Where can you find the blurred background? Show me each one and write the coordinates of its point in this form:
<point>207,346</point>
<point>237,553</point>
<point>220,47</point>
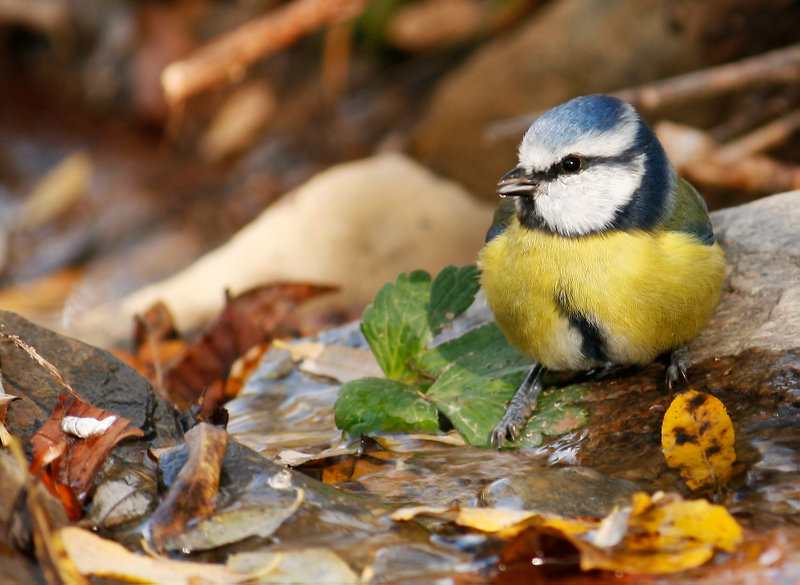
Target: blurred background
<point>137,136</point>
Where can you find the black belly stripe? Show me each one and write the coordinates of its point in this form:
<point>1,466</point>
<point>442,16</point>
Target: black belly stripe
<point>593,346</point>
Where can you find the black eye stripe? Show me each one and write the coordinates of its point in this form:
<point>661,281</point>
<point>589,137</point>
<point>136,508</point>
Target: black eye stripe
<point>556,170</point>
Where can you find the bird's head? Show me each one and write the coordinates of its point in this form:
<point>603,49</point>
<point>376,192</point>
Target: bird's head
<point>588,166</point>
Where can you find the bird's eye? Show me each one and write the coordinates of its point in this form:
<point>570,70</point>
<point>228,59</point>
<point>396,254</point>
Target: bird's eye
<point>571,164</point>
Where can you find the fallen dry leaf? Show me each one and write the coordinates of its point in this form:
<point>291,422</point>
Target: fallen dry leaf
<point>191,497</point>
<point>96,556</point>
<point>665,534</point>
<point>43,516</point>
<point>241,370</point>
<point>5,400</point>
<point>371,457</point>
<point>72,462</point>
<point>340,362</point>
<point>658,535</point>
<point>697,439</point>
<point>251,318</point>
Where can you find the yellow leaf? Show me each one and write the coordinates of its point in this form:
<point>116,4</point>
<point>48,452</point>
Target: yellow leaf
<point>665,534</point>
<point>648,563</point>
<point>697,439</point>
<point>675,520</point>
<point>654,536</point>
<point>492,519</point>
<point>97,556</point>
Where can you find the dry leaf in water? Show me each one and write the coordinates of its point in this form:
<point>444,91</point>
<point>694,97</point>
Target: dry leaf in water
<point>73,462</point>
<point>658,535</point>
<point>697,439</point>
<point>334,469</point>
<point>192,497</point>
<point>99,557</point>
<point>665,534</point>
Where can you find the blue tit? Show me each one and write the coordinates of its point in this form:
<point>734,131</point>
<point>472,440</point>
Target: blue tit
<point>599,253</point>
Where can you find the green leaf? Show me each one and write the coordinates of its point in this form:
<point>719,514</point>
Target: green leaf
<point>474,390</point>
<point>432,363</point>
<point>483,375</point>
<point>452,292</point>
<point>377,405</point>
<point>396,323</point>
<point>554,415</point>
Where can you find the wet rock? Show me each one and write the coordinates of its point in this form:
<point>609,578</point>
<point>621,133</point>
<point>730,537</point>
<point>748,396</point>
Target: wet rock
<point>573,492</point>
<point>100,378</point>
<point>282,509</point>
<point>569,48</point>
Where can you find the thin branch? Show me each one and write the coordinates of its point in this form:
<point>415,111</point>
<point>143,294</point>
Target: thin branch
<point>229,56</point>
<point>781,66</point>
<point>760,140</point>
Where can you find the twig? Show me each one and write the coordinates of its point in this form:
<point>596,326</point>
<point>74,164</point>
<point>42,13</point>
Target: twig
<point>229,56</point>
<point>760,140</point>
<point>781,66</point>
<point>34,355</point>
<point>757,174</point>
<point>736,165</point>
<point>336,60</point>
<point>755,112</point>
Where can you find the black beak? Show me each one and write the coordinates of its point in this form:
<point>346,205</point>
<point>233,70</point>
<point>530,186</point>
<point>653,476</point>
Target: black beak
<point>517,182</point>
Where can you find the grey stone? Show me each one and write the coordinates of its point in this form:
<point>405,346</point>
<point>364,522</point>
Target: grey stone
<point>760,307</point>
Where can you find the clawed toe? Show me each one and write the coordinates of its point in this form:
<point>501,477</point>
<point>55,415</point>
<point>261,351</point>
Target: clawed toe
<point>679,364</point>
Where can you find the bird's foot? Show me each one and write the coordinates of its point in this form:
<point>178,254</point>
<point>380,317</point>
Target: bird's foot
<point>679,362</point>
<point>519,409</point>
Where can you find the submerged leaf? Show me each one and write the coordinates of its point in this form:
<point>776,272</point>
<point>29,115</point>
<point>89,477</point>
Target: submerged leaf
<point>377,405</point>
<point>665,534</point>
<point>235,525</point>
<point>307,566</point>
<point>697,439</point>
<point>658,535</point>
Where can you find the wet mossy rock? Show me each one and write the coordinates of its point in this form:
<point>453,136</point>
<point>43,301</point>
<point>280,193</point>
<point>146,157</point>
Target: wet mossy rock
<point>99,377</point>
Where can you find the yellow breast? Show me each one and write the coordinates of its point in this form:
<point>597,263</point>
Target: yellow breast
<point>647,293</point>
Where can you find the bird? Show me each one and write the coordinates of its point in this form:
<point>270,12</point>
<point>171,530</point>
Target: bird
<point>599,254</point>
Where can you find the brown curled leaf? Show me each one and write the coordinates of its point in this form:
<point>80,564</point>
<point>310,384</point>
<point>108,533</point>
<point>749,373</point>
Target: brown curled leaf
<point>191,497</point>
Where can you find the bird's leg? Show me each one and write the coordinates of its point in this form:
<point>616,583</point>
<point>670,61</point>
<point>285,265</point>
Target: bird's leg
<point>520,407</point>
<point>679,362</point>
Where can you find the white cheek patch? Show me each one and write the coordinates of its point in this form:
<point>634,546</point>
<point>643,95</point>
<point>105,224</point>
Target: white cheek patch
<point>575,205</point>
<point>541,152</point>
